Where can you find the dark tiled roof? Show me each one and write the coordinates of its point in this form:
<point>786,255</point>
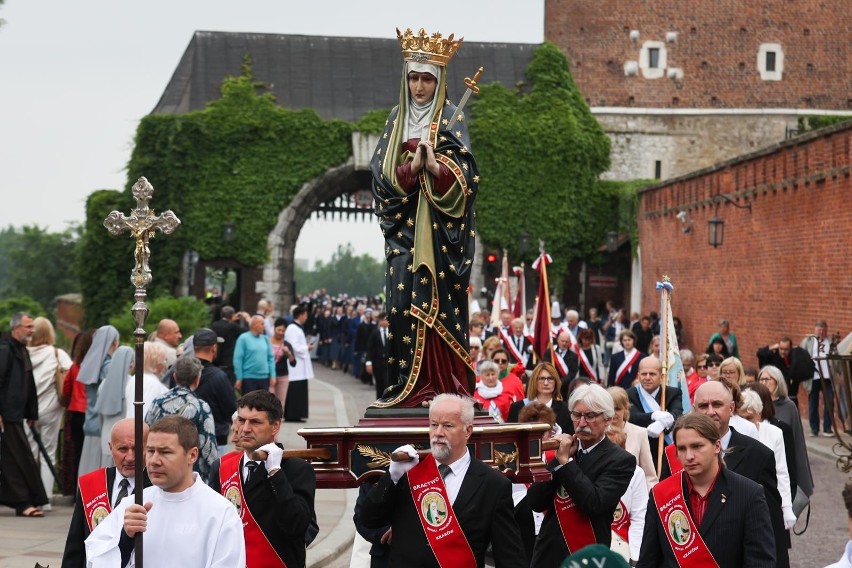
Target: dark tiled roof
<point>339,77</point>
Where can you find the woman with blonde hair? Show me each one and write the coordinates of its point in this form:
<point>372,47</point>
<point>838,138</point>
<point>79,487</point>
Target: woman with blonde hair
<point>152,386</point>
<point>636,437</point>
<point>732,375</point>
<point>49,367</point>
<point>545,387</point>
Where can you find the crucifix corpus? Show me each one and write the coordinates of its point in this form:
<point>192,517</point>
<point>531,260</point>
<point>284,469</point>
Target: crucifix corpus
<point>142,224</point>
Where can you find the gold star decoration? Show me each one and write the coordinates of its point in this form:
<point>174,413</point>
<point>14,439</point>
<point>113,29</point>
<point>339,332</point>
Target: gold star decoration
<point>393,310</point>
<point>387,250</point>
<point>449,225</point>
<point>461,226</point>
<point>406,313</point>
<point>458,133</point>
<point>403,363</point>
<point>443,248</point>
<point>442,138</point>
<point>411,250</point>
<point>472,233</point>
<point>460,117</point>
<point>404,200</point>
<point>424,280</point>
<point>463,150</point>
<point>456,311</point>
<point>390,336</point>
<point>413,294</point>
<point>425,305</point>
<point>379,151</point>
<point>380,163</point>
<point>458,327</point>
<point>408,268</point>
<point>447,102</point>
<point>442,315</point>
<point>391,270</point>
<point>398,216</point>
<point>448,152</point>
<point>406,339</point>
<point>476,179</point>
<point>457,286</point>
<point>435,226</point>
<point>396,251</point>
<point>464,167</point>
<point>399,234</point>
<point>445,122</point>
<point>467,261</point>
<point>452,268</point>
<point>441,275</point>
<point>409,222</point>
<point>391,359</point>
<point>400,286</point>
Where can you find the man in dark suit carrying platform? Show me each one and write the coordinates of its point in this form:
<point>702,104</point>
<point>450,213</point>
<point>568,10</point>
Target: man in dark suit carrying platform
<point>705,515</point>
<point>274,496</point>
<point>590,474</point>
<point>445,509</point>
<point>377,354</point>
<point>101,490</point>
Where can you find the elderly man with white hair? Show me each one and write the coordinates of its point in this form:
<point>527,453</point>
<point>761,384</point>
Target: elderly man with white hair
<point>590,474</point>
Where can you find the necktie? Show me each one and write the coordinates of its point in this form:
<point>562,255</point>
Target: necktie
<point>251,466</point>
<point>445,470</point>
<point>123,487</point>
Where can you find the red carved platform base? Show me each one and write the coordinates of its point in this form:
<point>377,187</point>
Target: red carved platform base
<point>363,451</point>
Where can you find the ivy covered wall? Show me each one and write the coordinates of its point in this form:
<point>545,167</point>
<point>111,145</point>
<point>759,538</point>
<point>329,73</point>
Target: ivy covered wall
<point>243,158</point>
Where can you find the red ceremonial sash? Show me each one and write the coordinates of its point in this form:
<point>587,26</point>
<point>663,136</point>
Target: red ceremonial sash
<point>95,497</point>
<point>621,521</point>
<point>687,545</point>
<point>510,346</point>
<point>625,367</point>
<point>559,363</point>
<point>671,456</point>
<point>442,528</point>
<point>259,551</point>
<point>575,525</point>
<point>584,361</point>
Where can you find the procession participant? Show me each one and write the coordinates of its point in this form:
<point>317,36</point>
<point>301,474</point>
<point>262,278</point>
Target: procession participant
<point>706,515</point>
<point>100,490</point>
<point>214,388</point>
<point>301,370</point>
<point>546,388</point>
<point>745,456</point>
<point>624,364</point>
<point>565,360</point>
<point>628,521</point>
<point>490,394</point>
<point>590,474</point>
<point>636,442</point>
<point>445,509</point>
<point>93,370</point>
<point>274,497</point>
<point>516,344</point>
<point>510,377</point>
<point>425,181</point>
<point>590,357</point>
<point>20,483</point>
<point>185,523</point>
<point>646,402</point>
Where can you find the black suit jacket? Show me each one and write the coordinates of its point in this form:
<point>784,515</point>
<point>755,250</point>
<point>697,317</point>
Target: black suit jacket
<point>595,482</point>
<point>483,507</point>
<point>626,381</point>
<point>571,363</point>
<point>638,416</point>
<point>750,458</point>
<point>377,353</point>
<point>737,532</point>
<point>282,505</point>
<point>75,547</point>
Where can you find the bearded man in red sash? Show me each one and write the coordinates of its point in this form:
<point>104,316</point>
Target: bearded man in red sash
<point>706,516</point>
<point>445,509</point>
<point>100,490</point>
<point>274,496</point>
<point>590,474</point>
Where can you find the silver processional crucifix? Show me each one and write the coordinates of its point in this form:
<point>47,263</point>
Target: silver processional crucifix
<point>142,224</point>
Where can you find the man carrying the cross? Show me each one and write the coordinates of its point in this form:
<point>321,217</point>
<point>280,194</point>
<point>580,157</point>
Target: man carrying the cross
<point>424,184</point>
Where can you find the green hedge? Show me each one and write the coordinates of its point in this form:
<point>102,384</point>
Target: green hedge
<point>189,313</point>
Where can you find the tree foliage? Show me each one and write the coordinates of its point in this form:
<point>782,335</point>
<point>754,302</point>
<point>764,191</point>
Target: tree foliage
<point>346,273</point>
<point>10,306</point>
<point>540,152</point>
<point>37,263</point>
<point>189,313</point>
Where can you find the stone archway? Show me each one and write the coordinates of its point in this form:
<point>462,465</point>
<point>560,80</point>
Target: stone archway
<point>278,276</point>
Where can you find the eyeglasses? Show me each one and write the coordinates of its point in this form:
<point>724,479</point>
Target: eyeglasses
<point>701,366</point>
<point>712,364</point>
<point>766,380</point>
<point>589,416</point>
<point>498,361</point>
<point>546,378</point>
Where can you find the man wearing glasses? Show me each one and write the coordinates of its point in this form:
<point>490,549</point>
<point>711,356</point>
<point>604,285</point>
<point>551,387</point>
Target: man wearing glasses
<point>590,474</point>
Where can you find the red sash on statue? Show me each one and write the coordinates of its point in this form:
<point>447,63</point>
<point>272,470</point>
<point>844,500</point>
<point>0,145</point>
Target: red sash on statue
<point>575,525</point>
<point>95,497</point>
<point>674,463</point>
<point>621,521</point>
<point>688,546</point>
<point>442,528</point>
<point>625,367</point>
<point>259,551</point>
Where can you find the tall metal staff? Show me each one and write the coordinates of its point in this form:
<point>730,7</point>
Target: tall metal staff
<point>143,225</point>
<point>665,287</point>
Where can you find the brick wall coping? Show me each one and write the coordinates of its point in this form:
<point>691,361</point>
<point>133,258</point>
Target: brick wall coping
<point>718,111</point>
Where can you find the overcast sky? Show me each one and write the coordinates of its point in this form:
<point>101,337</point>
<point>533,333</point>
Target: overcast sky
<point>76,78</point>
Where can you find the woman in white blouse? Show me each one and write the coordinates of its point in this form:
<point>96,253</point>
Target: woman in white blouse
<point>771,437</point>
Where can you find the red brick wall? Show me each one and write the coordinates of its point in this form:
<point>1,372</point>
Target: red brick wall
<point>716,47</point>
<point>782,266</point>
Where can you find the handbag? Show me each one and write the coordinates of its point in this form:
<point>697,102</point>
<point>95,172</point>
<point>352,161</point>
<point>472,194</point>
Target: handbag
<point>800,503</point>
<point>59,378</point>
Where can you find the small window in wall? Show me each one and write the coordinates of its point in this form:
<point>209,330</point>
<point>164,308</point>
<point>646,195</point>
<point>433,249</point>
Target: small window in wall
<point>658,169</point>
<point>770,62</point>
<point>653,59</point>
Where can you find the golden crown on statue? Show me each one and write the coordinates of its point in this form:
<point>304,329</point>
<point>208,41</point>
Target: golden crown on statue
<point>426,48</point>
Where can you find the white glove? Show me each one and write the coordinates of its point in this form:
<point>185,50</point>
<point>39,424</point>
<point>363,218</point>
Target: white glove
<point>655,429</point>
<point>273,459</point>
<point>398,469</point>
<point>665,417</point>
<point>789,517</point>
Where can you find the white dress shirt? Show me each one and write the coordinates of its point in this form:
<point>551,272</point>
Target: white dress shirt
<point>453,481</point>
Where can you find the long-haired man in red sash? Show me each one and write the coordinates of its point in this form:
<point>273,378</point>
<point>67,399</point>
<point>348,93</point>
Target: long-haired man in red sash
<point>100,490</point>
<point>275,496</point>
<point>590,474</point>
<point>706,516</point>
<point>445,509</point>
